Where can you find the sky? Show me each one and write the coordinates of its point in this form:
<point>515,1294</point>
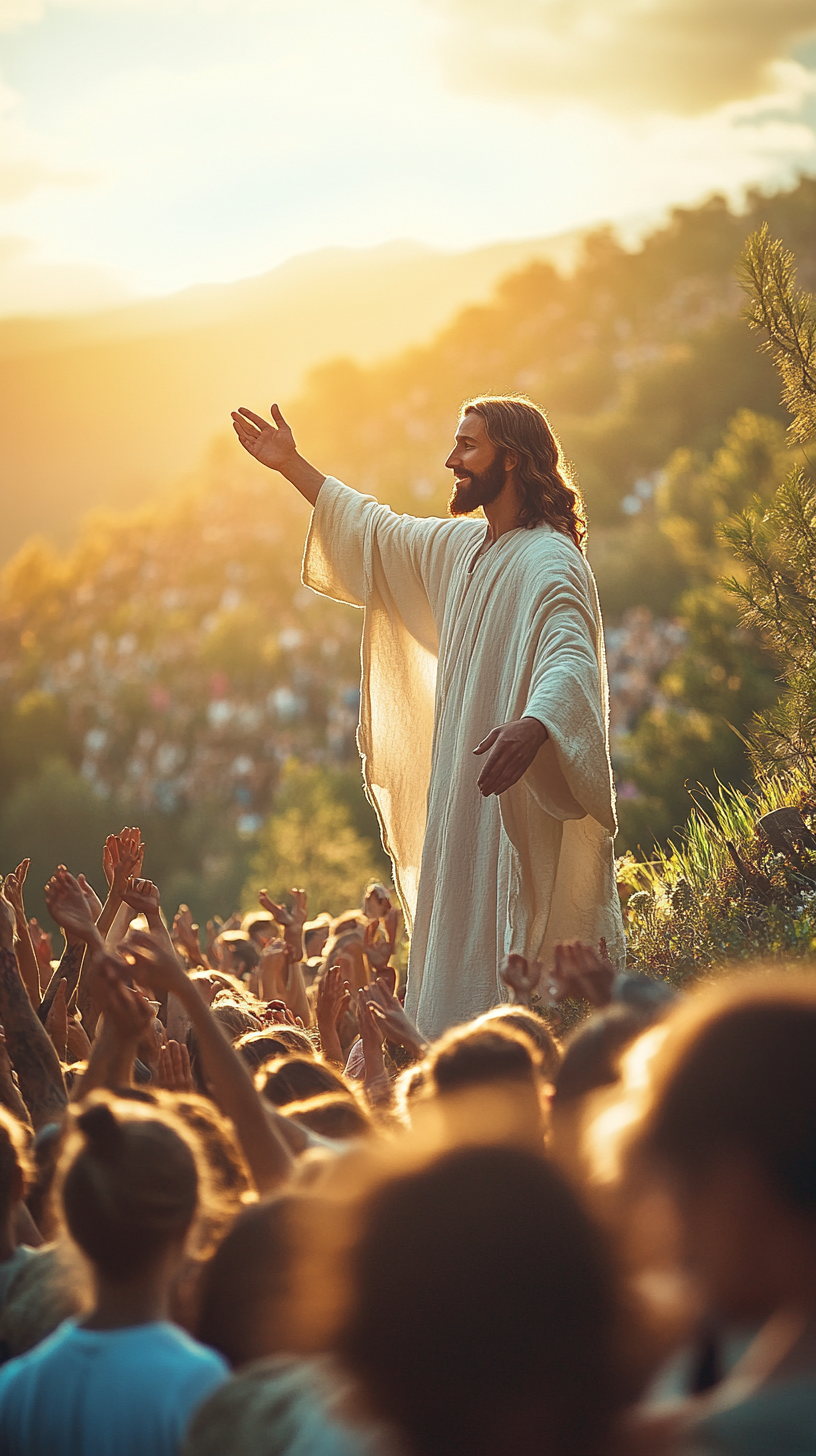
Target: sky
<point>148,145</point>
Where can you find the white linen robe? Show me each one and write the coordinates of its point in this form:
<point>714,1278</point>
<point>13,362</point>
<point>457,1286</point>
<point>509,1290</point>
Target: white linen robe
<point>452,648</point>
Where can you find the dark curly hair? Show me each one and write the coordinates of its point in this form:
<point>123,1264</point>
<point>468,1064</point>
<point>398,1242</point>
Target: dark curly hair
<point>548,494</point>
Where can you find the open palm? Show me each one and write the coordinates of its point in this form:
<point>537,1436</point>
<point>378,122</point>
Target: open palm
<point>272,444</point>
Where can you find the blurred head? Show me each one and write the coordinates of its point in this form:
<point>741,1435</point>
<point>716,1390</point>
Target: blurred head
<point>520,1019</point>
<point>260,927</point>
<point>245,1282</point>
<point>332,1115</point>
<point>295,1078</point>
<point>481,1308</point>
<point>592,1052</point>
<point>129,1184</point>
<point>506,439</point>
<point>259,1047</point>
<point>732,1122</point>
<point>479,1054</point>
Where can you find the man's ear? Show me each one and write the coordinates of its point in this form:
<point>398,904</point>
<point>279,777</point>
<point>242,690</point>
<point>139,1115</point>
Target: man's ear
<point>510,461</point>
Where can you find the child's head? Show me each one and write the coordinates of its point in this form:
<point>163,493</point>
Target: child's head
<point>129,1183</point>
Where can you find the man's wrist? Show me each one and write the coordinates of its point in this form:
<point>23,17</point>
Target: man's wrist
<point>542,730</point>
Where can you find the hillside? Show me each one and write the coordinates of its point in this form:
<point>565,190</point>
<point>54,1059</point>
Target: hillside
<point>168,665</point>
<point>98,409</point>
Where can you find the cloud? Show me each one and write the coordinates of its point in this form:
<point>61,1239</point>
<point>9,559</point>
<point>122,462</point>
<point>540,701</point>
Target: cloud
<point>681,57</point>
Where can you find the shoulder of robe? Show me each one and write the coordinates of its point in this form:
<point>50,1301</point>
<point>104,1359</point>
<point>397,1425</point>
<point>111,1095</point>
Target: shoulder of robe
<point>550,557</point>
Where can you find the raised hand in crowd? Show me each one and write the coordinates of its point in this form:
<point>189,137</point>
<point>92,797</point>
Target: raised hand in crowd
<point>390,1016</point>
<point>267,1156</point>
<point>375,1083</point>
<point>32,1055</point>
<point>26,950</point>
<point>581,973</point>
<point>122,858</point>
<point>174,1073</point>
<point>126,1015</point>
<point>521,977</point>
<point>333,998</point>
<point>292,920</point>
<point>41,941</point>
<point>186,935</point>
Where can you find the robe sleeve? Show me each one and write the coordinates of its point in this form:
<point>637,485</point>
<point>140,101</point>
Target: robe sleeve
<point>357,549</point>
<point>397,568</point>
<point>571,775</point>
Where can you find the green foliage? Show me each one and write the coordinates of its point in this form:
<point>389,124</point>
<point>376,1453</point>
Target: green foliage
<point>691,908</point>
<point>777,597</point>
<point>309,840</point>
<point>722,893</point>
<point>787,315</point>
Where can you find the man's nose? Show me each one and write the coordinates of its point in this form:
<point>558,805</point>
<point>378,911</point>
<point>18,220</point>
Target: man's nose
<point>451,460</point>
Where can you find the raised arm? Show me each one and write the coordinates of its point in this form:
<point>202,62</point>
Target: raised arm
<point>274,445</point>
<point>30,1049</point>
<point>26,956</point>
<point>268,1158</point>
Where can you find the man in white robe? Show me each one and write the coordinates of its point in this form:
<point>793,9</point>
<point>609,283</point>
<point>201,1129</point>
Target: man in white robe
<point>476,641</point>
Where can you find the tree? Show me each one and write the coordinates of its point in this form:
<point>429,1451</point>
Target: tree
<point>309,840</point>
<point>776,543</point>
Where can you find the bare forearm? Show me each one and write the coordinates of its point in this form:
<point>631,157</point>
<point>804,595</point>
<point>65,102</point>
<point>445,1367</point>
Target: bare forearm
<point>295,997</point>
<point>28,963</point>
<point>30,1048</point>
<point>110,1064</point>
<point>68,970</point>
<point>267,1156</point>
<point>305,478</point>
<point>108,913</point>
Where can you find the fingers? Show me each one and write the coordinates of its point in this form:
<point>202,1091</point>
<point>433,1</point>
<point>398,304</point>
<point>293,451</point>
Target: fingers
<point>277,416</point>
<point>502,770</point>
<point>487,742</point>
<point>244,414</point>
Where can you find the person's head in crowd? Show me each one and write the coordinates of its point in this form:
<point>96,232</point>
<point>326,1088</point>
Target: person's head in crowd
<point>409,1087</point>
<point>16,1173</point>
<point>315,934</point>
<point>350,922</point>
<point>295,1040</point>
<point>235,1020</point>
<point>732,1125</point>
<point>475,1055</point>
<point>241,953</point>
<point>482,1309</point>
<point>376,900</point>
<point>129,1185</point>
<point>592,1052</point>
<point>260,927</point>
<point>521,1019</point>
<point>241,1312</point>
<point>474,1066</point>
<point>259,1047</point>
<point>294,1078</point>
<point>333,1114</point>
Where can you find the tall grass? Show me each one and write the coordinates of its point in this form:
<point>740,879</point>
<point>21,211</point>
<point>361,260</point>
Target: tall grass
<point>692,908</point>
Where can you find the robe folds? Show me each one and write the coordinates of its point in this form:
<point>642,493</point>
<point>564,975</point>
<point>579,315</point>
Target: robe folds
<point>455,644</point>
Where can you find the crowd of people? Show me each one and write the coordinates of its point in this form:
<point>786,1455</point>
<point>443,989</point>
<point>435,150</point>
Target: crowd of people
<point>245,1207</point>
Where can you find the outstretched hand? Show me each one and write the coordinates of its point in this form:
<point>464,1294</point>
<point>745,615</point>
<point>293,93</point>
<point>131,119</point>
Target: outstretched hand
<point>273,444</point>
<point>510,750</point>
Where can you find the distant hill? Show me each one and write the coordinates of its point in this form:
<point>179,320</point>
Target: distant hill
<point>97,409</point>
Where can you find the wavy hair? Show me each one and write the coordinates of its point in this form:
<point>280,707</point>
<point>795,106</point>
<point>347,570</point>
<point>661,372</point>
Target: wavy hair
<point>548,494</point>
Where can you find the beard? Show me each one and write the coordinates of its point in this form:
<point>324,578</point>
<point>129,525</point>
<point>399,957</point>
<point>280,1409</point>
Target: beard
<point>478,490</point>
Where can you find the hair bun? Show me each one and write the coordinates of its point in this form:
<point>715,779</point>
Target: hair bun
<point>102,1131</point>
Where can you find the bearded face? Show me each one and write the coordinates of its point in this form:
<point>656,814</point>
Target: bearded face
<point>474,490</point>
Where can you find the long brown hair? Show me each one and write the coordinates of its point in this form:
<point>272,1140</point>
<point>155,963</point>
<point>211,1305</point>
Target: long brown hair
<point>548,494</point>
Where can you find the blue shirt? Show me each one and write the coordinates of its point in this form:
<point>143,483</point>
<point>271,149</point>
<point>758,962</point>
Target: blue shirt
<point>128,1392</point>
